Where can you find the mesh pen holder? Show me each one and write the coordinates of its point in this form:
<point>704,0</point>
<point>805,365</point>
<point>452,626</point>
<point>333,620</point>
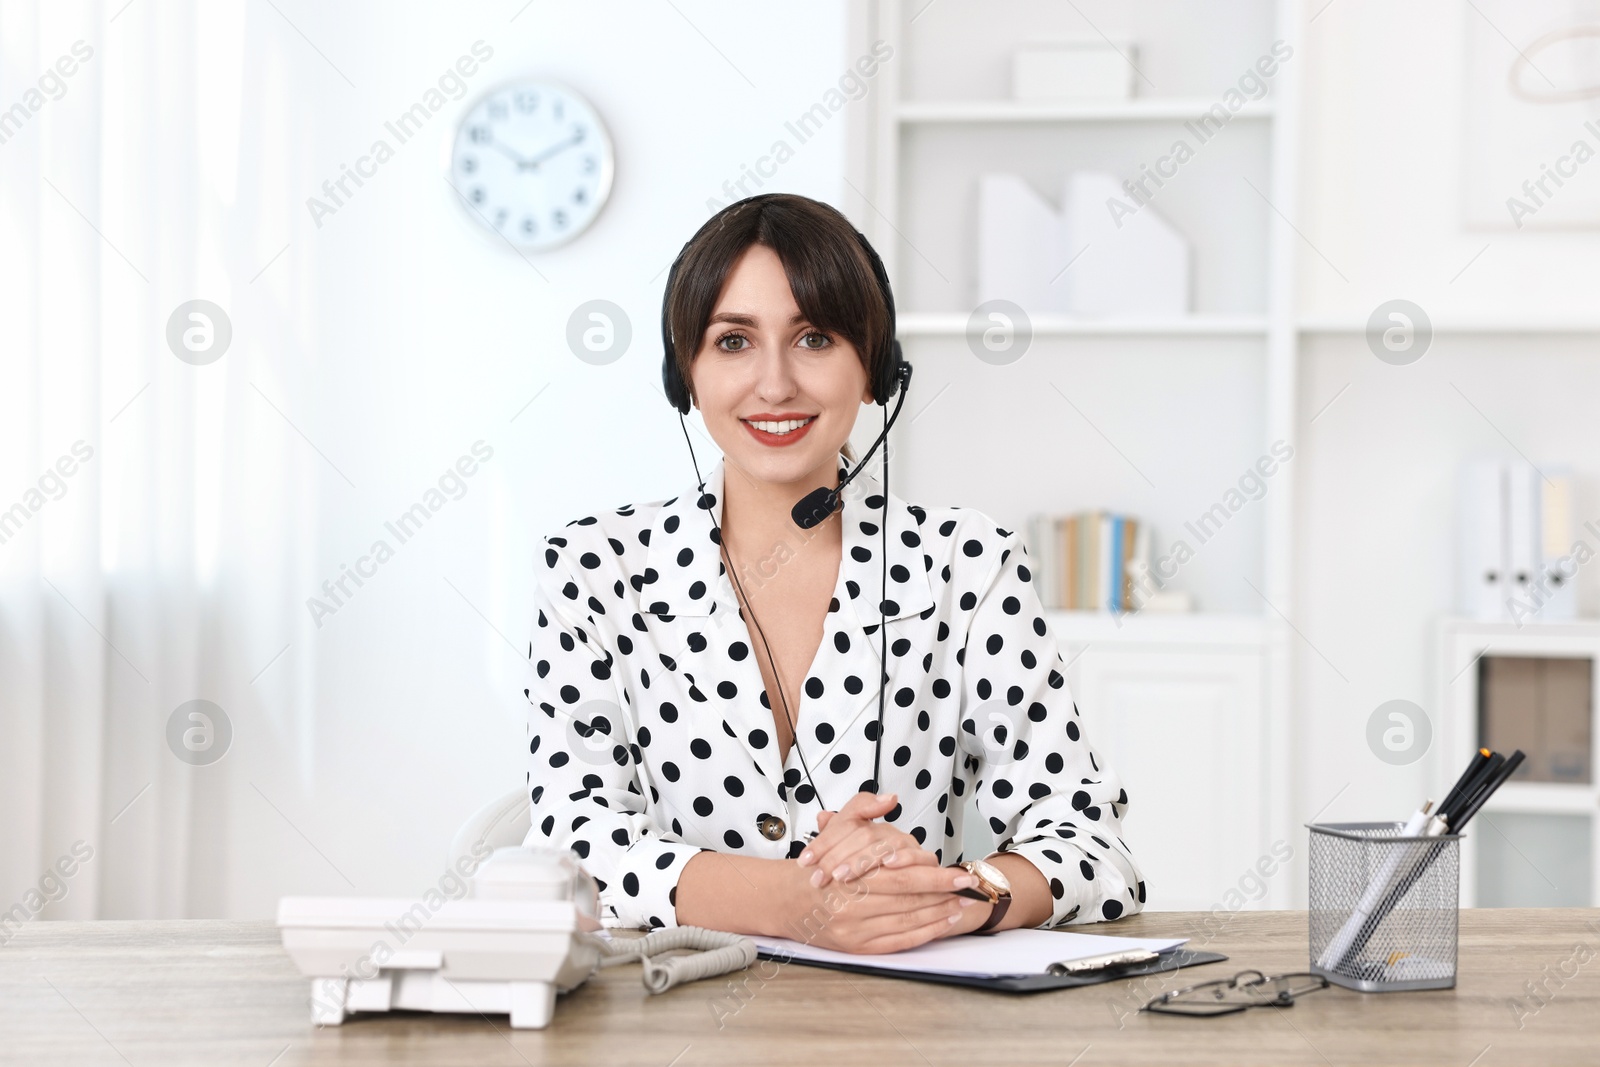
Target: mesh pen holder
<point>1384,908</point>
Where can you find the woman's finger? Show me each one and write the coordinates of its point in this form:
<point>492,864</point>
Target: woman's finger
<point>914,928</point>
<point>918,879</point>
<point>909,856</point>
<point>860,851</point>
<point>885,842</point>
<point>831,825</point>
<point>865,806</point>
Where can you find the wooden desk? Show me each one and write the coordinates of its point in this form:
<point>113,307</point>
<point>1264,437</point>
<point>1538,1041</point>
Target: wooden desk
<point>205,992</point>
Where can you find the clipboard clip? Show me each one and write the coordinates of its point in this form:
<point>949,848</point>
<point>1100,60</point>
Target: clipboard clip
<point>1090,964</point>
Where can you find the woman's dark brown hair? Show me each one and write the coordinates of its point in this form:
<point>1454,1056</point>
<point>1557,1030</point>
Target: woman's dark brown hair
<point>827,267</point>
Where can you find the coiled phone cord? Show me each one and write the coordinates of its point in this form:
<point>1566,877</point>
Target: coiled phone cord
<point>709,953</point>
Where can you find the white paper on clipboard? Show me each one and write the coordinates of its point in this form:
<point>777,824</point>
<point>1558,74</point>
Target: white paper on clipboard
<point>1006,954</point>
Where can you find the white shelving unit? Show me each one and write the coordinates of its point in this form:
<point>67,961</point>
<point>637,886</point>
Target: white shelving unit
<point>1013,111</point>
<point>935,324</point>
<point>1217,680</point>
<point>1461,644</point>
<point>1516,327</point>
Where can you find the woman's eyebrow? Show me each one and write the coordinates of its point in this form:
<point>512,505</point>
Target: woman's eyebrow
<point>738,318</point>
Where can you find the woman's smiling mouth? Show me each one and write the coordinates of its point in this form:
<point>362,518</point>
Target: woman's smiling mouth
<point>780,429</point>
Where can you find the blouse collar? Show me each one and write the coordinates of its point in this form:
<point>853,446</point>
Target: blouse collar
<point>684,574</point>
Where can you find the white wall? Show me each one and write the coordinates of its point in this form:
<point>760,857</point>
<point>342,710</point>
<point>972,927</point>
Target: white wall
<point>429,336</point>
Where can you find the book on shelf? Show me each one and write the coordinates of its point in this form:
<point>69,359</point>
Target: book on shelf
<point>1091,561</point>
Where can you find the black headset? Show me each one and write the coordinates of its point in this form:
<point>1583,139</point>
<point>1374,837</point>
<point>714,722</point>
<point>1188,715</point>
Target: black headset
<point>891,373</point>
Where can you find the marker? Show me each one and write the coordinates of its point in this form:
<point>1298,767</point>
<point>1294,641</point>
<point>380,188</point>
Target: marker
<point>1506,770</point>
<point>1484,772</point>
<point>1473,766</point>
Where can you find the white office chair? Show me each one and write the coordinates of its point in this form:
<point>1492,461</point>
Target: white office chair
<point>500,823</point>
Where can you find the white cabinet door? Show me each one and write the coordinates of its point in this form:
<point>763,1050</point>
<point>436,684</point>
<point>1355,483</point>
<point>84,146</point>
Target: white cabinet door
<point>1185,730</point>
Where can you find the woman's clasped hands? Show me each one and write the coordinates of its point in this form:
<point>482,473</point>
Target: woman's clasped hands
<point>868,887</point>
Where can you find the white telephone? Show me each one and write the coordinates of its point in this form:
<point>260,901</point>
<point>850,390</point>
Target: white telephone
<point>527,929</point>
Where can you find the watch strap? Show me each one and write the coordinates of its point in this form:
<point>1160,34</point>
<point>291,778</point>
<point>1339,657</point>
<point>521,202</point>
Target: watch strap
<point>996,913</point>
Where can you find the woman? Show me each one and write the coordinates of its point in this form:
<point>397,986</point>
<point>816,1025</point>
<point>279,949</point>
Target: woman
<point>714,773</point>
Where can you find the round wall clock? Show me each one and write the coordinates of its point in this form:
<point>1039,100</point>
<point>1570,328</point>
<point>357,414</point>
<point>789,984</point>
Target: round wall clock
<point>533,163</point>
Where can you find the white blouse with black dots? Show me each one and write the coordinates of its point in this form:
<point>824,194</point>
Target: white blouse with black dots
<point>651,736</point>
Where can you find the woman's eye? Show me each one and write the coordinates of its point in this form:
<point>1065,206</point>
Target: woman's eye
<point>722,342</point>
<point>821,337</point>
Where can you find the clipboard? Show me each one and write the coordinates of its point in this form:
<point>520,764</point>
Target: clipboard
<point>1026,983</point>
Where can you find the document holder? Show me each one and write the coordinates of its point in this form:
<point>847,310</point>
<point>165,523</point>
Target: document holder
<point>1026,983</point>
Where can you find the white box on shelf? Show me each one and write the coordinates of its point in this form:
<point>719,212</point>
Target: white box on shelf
<point>1515,540</point>
<point>1135,266</point>
<point>1073,70</point>
<point>1019,245</point>
<point>1558,564</point>
<point>1482,541</point>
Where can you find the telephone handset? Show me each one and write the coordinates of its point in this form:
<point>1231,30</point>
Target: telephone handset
<point>527,928</point>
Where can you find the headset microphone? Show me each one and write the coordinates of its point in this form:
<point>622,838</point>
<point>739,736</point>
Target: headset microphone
<point>818,504</point>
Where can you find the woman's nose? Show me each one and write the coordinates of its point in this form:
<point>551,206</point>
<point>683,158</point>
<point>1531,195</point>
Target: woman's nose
<point>777,378</point>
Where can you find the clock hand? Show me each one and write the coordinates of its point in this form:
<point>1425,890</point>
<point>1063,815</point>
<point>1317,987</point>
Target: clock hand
<point>561,147</point>
<point>508,153</point>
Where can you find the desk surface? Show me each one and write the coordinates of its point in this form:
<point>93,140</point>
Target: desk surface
<point>213,992</point>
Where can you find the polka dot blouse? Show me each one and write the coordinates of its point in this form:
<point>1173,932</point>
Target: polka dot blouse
<point>651,736</point>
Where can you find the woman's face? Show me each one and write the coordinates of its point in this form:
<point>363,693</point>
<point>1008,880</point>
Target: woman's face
<point>778,396</point>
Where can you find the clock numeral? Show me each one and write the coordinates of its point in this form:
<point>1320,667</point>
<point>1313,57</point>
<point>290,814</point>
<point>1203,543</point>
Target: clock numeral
<point>477,195</point>
<point>578,134</point>
<point>559,217</point>
<point>469,165</point>
<point>579,195</point>
<point>558,109</point>
<point>528,228</point>
<point>500,218</point>
<point>498,109</point>
<point>479,134</point>
<point>590,164</point>
<point>527,102</point>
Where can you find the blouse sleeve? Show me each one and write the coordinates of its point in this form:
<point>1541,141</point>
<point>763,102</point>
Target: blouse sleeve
<point>1047,794</point>
<point>582,778</point>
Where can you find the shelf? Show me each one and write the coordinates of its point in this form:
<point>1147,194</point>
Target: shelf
<point>1179,110</point>
<point>941,324</point>
<point>1195,629</point>
<point>1544,798</point>
<point>1464,326</point>
<point>1526,634</point>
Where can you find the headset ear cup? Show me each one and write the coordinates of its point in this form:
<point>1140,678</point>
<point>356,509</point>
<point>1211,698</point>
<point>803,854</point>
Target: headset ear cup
<point>673,385</point>
<point>888,373</point>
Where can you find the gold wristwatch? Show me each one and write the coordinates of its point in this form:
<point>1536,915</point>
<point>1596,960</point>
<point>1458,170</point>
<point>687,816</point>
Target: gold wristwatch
<point>992,886</point>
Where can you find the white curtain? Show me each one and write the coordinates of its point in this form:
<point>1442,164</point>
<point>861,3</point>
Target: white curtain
<point>159,569</point>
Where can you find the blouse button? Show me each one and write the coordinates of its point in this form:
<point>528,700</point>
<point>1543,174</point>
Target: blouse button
<point>772,827</point>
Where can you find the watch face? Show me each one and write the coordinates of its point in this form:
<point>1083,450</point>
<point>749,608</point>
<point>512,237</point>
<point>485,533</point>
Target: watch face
<point>991,874</point>
<point>532,163</point>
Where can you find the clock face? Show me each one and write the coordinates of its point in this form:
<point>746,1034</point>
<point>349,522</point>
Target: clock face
<point>532,163</point>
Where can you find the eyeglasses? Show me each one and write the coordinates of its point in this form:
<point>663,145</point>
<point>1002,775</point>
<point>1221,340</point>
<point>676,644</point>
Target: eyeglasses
<point>1247,989</point>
